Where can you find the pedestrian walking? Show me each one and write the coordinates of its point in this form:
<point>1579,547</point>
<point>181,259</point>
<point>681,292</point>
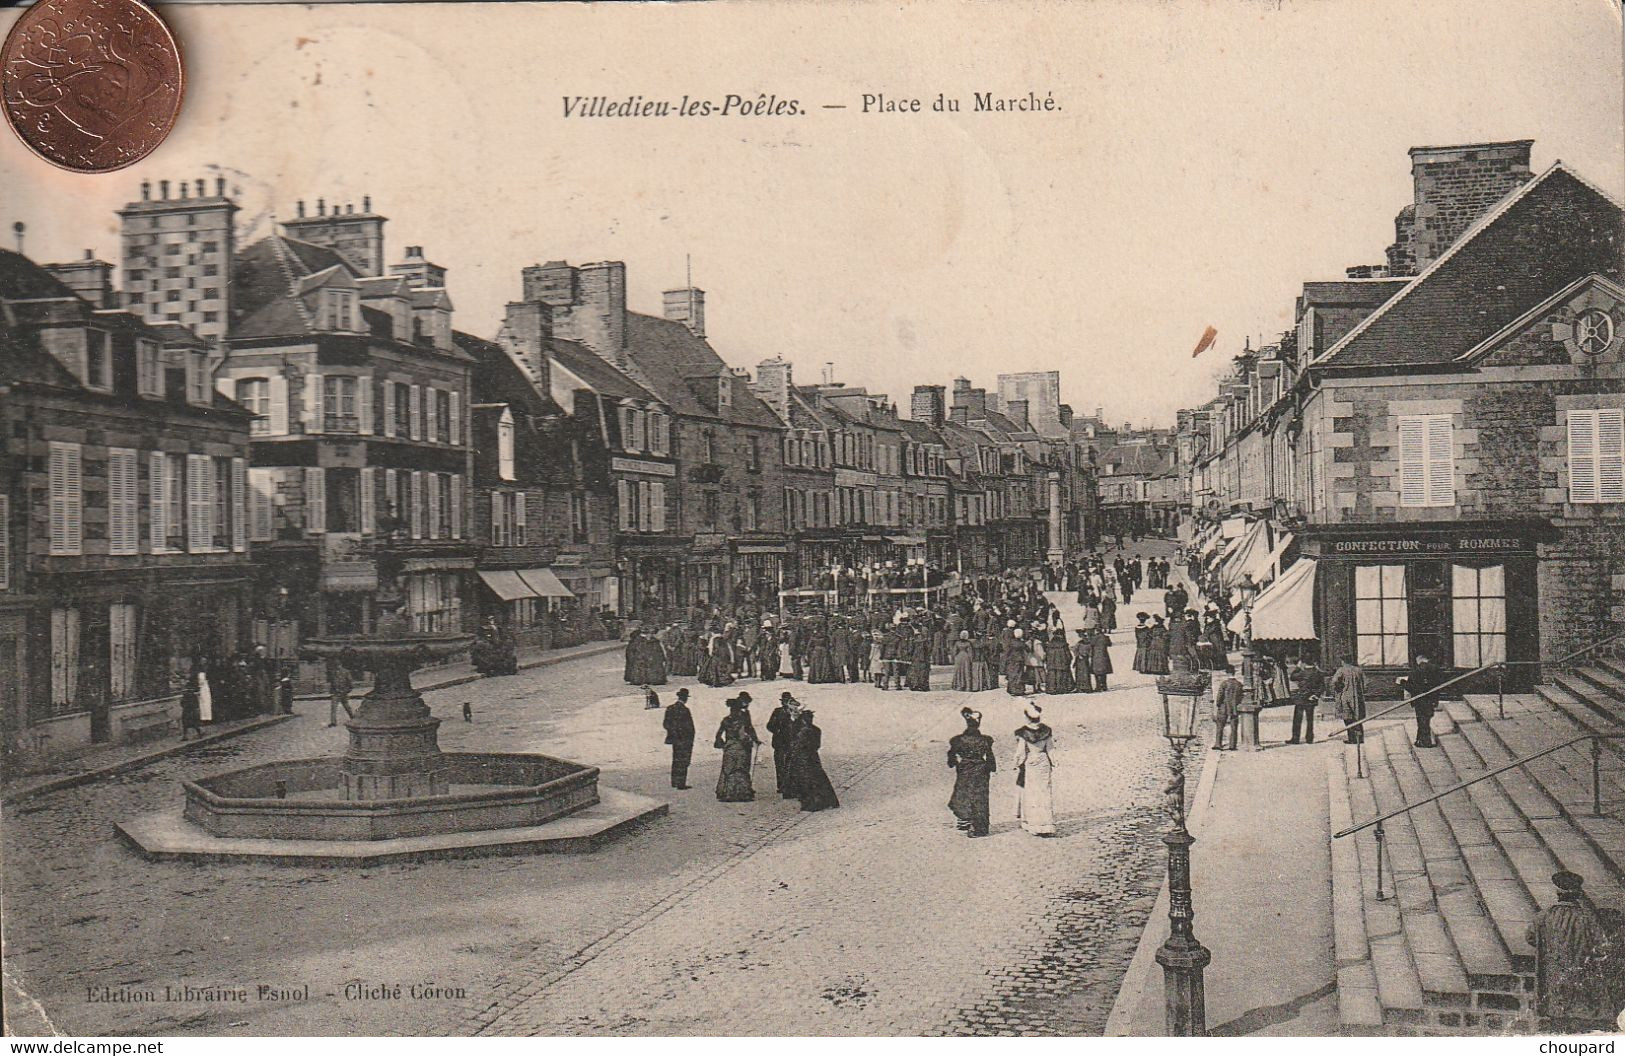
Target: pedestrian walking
<point>1100,659</point>
<point>679,724</point>
<point>1348,689</point>
<point>781,733</point>
<point>970,756</point>
<point>189,711</point>
<point>812,784</point>
<point>1419,685</point>
<point>736,736</point>
<point>1035,787</point>
<point>1227,713</point>
<point>339,685</point>
<point>1308,682</point>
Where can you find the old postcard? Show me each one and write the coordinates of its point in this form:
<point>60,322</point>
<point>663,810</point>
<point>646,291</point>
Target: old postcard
<point>790,519</point>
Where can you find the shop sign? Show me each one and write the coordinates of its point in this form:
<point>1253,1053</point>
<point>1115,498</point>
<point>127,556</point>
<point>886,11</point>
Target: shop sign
<point>636,465</point>
<point>1432,546</point>
<point>710,540</point>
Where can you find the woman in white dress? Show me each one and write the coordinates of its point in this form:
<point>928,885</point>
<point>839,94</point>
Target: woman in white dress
<point>1035,791</point>
<point>205,697</point>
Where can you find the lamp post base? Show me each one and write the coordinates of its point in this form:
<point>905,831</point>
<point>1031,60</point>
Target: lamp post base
<point>1184,995</point>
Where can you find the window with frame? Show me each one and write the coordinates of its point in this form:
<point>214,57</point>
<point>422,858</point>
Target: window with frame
<point>338,308</point>
<point>197,377</point>
<point>98,363</point>
<point>64,660</point>
<point>505,454</point>
<point>220,503</point>
<point>753,453</point>
<point>66,499</point>
<point>1427,464</point>
<point>713,510</point>
<point>708,447</point>
<point>578,517</point>
<point>340,410</point>
<point>149,374</point>
<point>255,396</point>
<point>442,416</point>
<point>1381,616</point>
<point>1597,455</point>
<point>1478,600</point>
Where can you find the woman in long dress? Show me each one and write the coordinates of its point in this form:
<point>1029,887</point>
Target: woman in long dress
<point>1058,665</point>
<point>820,660</point>
<point>1156,656</point>
<point>964,664</point>
<point>986,675</point>
<point>919,661</point>
<point>970,756</point>
<point>1142,642</point>
<point>205,697</point>
<point>1035,788</point>
<point>812,784</point>
<point>939,646</point>
<point>1015,665</point>
<point>736,736</point>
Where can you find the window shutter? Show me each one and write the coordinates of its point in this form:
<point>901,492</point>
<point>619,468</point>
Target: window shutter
<point>519,536</point>
<point>1441,457</point>
<point>277,392</point>
<point>315,500</point>
<point>431,414</point>
<point>363,387</point>
<point>239,505</point>
<point>369,508</point>
<point>414,408</point>
<point>434,505</point>
<point>456,494</point>
<point>1583,456</point>
<point>197,529</point>
<point>123,503</point>
<point>313,403</point>
<point>392,496</point>
<point>457,418</point>
<point>657,497</point>
<point>496,520</point>
<point>157,502</point>
<point>1412,462</point>
<point>5,542</point>
<point>388,396</point>
<point>261,491</point>
<point>1611,455</point>
<point>415,482</point>
<point>645,512</point>
<point>624,490</point>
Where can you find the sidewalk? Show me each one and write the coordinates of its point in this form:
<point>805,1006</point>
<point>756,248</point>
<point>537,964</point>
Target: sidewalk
<point>106,760</point>
<point>1261,877</point>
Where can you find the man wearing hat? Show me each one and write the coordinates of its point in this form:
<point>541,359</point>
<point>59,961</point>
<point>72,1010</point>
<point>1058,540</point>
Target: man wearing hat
<point>679,725</point>
<point>781,730</point>
<point>970,756</point>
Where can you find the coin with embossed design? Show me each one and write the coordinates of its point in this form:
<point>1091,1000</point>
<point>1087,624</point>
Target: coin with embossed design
<point>91,85</point>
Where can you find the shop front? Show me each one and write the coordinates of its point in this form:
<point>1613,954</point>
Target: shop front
<point>1464,594</point>
<point>758,571</point>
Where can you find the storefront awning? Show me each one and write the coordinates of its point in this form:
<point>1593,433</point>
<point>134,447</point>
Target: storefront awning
<point>507,585</point>
<point>544,583</point>
<point>908,540</point>
<point>1286,611</point>
<point>1256,539</point>
<point>1264,565</point>
<point>762,548</point>
<point>1233,527</point>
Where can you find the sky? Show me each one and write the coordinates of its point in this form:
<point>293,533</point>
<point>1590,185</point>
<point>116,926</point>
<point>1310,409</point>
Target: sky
<point>1204,160</point>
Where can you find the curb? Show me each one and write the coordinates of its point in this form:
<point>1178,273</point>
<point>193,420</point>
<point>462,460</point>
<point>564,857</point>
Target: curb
<point>72,780</point>
<point>1131,994</point>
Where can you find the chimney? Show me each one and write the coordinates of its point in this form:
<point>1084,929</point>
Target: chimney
<point>321,207</point>
<point>183,188</point>
<point>163,190</point>
<point>686,306</point>
<point>201,185</point>
<point>773,385</point>
<point>299,208</point>
<point>960,414</point>
<point>961,385</point>
<point>220,186</point>
<point>1451,188</point>
<point>525,333</point>
<point>600,315</point>
<point>974,401</point>
<point>1017,412</point>
<point>88,277</point>
<point>358,238</point>
<point>928,405</point>
<point>146,190</point>
<point>366,203</point>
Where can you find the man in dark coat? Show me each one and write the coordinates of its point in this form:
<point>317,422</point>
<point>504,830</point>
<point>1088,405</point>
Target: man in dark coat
<point>1422,680</point>
<point>781,729</point>
<point>1100,659</point>
<point>795,638</point>
<point>970,756</point>
<point>679,725</point>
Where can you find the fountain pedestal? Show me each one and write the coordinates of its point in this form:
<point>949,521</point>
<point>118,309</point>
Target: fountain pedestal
<point>394,749</point>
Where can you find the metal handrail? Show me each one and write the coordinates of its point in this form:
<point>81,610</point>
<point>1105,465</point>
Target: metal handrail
<point>1565,658</point>
<point>1596,796</point>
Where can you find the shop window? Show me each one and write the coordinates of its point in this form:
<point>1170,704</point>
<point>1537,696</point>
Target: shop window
<point>1597,455</point>
<point>1478,614</point>
<point>1381,616</point>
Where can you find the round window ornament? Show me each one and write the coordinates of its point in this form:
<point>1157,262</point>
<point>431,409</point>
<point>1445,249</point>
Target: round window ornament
<point>1594,332</point>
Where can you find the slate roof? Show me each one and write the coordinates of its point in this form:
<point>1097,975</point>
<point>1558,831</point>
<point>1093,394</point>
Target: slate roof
<point>595,373</point>
<point>667,355</point>
<point>1350,293</point>
<point>921,432</point>
<point>1138,460</point>
<point>21,279</point>
<point>495,378</point>
<point>1551,231</point>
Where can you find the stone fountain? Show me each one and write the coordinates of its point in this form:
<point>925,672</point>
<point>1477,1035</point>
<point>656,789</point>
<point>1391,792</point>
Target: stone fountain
<point>394,794</point>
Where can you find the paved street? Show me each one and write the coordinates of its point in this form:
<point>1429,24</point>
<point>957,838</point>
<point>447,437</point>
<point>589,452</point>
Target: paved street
<point>718,919</point>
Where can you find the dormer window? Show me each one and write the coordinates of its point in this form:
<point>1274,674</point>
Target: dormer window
<point>98,363</point>
<point>338,310</point>
<point>149,374</point>
<point>725,391</point>
<point>197,377</point>
<point>505,445</point>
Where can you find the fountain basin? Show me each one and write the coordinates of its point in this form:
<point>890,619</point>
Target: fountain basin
<point>509,791</point>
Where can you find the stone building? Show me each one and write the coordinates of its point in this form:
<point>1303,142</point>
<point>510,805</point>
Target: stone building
<point>123,519</point>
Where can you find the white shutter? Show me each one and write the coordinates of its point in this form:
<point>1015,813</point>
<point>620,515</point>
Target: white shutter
<point>416,503</point>
<point>496,520</point>
<point>414,409</point>
<point>1611,455</point>
<point>315,500</point>
<point>433,481</point>
<point>1441,459</point>
<point>1583,456</point>
<point>157,502</point>
<point>624,490</point>
<point>66,500</point>
<point>121,650</point>
<point>388,396</point>
<point>239,505</point>
<point>369,502</point>
<point>123,503</point>
<point>5,542</point>
<point>262,488</point>
<point>64,658</point>
<point>364,387</point>
<point>392,496</point>
<point>197,528</point>
<point>313,403</point>
<point>645,514</point>
<point>278,412</point>
<point>456,494</point>
<point>657,498</point>
<point>456,416</point>
<point>1412,461</point>
<point>519,536</point>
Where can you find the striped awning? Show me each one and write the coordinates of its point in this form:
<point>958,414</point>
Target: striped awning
<point>544,583</point>
<point>507,585</point>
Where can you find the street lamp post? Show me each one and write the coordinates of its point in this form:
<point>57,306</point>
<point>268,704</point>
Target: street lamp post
<point>1181,956</point>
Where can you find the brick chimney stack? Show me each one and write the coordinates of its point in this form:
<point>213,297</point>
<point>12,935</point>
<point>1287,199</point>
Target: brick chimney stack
<point>1452,188</point>
<point>928,405</point>
<point>526,332</point>
<point>686,306</point>
<point>772,385</point>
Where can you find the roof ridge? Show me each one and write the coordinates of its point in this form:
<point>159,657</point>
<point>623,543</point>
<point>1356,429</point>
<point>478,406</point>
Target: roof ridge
<point>280,251</point>
<point>1500,209</point>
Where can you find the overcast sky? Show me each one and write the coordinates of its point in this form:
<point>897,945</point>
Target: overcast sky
<point>1206,159</point>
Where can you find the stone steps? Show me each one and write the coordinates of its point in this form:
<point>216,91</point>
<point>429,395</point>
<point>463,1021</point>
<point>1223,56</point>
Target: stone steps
<point>1445,950</point>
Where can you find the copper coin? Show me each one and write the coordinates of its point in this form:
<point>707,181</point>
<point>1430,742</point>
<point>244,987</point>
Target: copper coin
<point>91,85</point>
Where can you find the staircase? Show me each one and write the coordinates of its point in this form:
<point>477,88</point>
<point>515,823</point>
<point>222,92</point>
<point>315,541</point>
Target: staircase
<point>1444,951</point>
